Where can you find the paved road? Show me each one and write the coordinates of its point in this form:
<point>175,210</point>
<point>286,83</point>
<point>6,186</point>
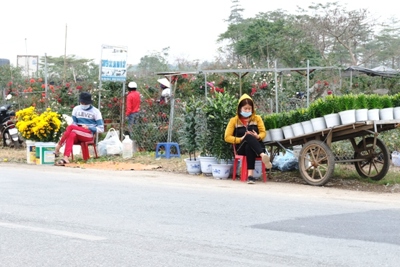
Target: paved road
<point>55,216</point>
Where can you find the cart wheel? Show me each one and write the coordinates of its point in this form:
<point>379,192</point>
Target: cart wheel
<point>316,162</point>
<point>376,163</point>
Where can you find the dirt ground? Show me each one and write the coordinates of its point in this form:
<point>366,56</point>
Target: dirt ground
<point>147,161</point>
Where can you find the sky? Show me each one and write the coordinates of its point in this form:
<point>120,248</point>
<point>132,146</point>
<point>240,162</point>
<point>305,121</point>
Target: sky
<point>80,28</point>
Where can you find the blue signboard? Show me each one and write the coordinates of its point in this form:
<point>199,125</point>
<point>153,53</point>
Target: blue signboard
<point>113,63</point>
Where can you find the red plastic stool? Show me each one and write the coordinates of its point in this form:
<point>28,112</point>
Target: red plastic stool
<point>243,173</point>
<point>85,149</point>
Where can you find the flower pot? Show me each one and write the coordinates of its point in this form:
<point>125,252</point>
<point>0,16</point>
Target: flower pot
<point>205,164</point>
<point>30,152</point>
<point>348,116</point>
<point>44,152</point>
<point>193,166</point>
<point>332,120</point>
<point>267,137</point>
<point>297,129</point>
<point>287,132</point>
<point>307,127</point>
<point>386,114</point>
<point>276,134</point>
<point>373,114</point>
<point>396,113</point>
<point>362,114</point>
<point>318,124</point>
<point>221,171</point>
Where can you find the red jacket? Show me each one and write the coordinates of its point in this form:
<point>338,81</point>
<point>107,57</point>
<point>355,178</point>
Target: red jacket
<point>132,102</point>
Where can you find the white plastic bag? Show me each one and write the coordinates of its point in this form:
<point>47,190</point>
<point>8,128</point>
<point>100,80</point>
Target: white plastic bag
<point>396,158</point>
<point>286,162</point>
<point>111,145</point>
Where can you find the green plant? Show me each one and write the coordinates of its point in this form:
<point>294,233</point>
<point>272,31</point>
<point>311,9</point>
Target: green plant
<point>374,101</point>
<point>396,100</point>
<point>271,121</point>
<point>386,101</point>
<point>361,101</point>
<point>347,102</point>
<point>190,132</point>
<point>218,110</point>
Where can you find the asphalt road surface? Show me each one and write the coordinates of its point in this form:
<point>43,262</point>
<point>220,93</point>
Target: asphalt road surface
<point>58,216</point>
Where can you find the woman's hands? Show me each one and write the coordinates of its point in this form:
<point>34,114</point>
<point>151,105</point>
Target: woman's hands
<point>253,133</point>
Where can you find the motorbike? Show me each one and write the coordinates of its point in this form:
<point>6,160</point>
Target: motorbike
<point>8,130</point>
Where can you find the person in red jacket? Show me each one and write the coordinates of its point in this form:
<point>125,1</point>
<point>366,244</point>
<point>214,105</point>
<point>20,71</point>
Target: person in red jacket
<point>132,106</point>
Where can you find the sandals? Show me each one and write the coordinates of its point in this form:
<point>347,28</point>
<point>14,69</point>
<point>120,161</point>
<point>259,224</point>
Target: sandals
<point>267,162</point>
<point>61,162</point>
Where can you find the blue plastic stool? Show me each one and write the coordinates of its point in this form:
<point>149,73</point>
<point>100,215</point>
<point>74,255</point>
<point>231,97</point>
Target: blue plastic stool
<point>167,147</point>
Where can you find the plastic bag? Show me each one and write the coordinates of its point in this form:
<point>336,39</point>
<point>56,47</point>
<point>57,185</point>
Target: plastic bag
<point>111,145</point>
<point>286,162</point>
<point>396,158</point>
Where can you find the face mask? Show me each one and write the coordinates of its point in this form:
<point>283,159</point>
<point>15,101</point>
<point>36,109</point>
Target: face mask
<point>85,106</point>
<point>245,114</point>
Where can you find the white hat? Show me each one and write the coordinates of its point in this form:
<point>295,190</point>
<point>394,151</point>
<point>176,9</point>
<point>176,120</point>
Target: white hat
<point>132,85</point>
<point>165,82</point>
<point>166,92</point>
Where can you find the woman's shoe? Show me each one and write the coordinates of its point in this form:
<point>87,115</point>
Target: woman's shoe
<point>266,160</point>
<point>251,180</point>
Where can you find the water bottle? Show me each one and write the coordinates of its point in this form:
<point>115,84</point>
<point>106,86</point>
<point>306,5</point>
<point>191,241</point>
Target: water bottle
<point>127,148</point>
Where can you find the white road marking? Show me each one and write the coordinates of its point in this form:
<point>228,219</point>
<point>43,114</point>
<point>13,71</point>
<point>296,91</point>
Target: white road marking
<point>52,231</point>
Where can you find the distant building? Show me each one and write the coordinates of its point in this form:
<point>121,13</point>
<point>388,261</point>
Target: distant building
<point>4,61</point>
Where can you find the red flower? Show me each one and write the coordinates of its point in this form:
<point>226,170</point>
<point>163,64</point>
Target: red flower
<point>253,91</point>
<point>79,87</point>
<point>32,80</point>
<point>43,86</point>
<point>9,83</point>
<point>184,76</point>
<point>40,80</point>
<point>59,100</point>
<point>67,85</point>
<point>263,85</point>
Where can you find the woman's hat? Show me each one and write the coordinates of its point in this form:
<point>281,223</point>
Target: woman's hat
<point>85,98</point>
<point>165,82</point>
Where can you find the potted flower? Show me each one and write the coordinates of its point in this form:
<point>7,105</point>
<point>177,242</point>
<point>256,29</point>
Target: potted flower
<point>43,128</point>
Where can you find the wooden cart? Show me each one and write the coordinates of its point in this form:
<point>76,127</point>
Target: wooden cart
<point>317,162</point>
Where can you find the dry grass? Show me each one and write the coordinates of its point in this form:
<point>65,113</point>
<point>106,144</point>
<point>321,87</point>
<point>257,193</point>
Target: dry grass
<point>343,178</point>
<point>176,165</point>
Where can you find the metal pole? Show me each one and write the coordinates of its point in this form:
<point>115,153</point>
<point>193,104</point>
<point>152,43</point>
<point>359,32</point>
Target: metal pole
<point>65,55</point>
<point>205,86</point>
<point>276,88</point>
<point>240,84</point>
<point>351,79</point>
<point>308,83</point>
<point>123,109</point>
<point>45,77</point>
<point>171,115</point>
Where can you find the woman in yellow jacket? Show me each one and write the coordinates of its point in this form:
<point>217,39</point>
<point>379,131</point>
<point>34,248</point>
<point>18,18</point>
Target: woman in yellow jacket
<point>246,131</point>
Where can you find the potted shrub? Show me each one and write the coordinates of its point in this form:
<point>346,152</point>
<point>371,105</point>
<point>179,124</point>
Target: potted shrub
<point>396,105</point>
<point>189,134</point>
<point>361,106</point>
<point>347,109</point>
<point>374,105</point>
<point>386,111</point>
<point>272,125</point>
<point>218,110</point>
